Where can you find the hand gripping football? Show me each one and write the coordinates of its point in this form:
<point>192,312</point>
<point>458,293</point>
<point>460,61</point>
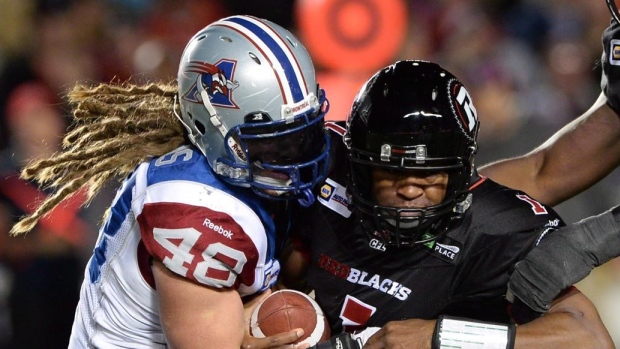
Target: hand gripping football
<point>285,310</point>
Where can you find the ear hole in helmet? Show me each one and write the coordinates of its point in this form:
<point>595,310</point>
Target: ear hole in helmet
<point>201,37</point>
<point>254,58</point>
<point>199,126</point>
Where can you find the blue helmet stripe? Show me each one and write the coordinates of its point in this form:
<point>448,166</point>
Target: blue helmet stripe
<point>295,86</point>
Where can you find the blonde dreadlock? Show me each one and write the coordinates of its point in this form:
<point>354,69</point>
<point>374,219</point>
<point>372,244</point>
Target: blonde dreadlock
<point>116,127</point>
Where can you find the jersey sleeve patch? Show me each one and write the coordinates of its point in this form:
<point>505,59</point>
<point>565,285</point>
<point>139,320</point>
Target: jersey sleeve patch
<point>199,244</point>
<point>334,196</point>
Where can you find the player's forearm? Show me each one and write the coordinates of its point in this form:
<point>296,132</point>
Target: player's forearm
<point>572,322</point>
<point>196,316</point>
<point>580,154</point>
<point>519,173</point>
<point>573,159</point>
<point>561,331</point>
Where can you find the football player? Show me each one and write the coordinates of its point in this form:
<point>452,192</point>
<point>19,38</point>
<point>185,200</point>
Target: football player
<point>577,156</point>
<point>423,247</point>
<point>196,227</point>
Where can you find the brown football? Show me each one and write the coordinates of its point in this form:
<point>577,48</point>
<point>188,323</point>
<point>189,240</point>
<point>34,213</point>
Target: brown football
<point>285,310</point>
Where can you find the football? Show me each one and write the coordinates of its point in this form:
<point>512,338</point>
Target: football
<point>285,310</point>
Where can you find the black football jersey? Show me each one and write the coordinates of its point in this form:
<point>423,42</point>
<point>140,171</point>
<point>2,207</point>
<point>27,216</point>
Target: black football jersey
<point>360,282</point>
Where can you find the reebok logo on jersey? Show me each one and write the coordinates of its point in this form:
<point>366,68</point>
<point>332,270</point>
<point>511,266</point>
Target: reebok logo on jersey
<point>553,223</point>
<point>361,277</point>
<point>218,229</point>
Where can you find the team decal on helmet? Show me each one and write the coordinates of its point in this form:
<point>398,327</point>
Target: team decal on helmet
<point>463,108</point>
<point>216,79</point>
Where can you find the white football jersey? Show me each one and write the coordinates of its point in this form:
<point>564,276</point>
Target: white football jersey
<point>172,209</point>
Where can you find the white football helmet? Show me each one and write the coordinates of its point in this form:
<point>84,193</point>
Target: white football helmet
<point>250,102</point>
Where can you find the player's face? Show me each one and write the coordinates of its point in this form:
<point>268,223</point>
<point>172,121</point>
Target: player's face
<point>408,189</point>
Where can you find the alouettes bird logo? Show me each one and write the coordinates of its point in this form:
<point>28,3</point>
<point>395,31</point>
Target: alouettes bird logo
<point>216,79</point>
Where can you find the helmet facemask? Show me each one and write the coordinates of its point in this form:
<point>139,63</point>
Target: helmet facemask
<point>281,159</point>
<point>400,226</point>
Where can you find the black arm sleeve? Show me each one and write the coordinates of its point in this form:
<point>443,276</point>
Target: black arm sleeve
<point>565,258</point>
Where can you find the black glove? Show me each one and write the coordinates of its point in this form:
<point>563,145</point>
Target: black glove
<point>564,258</point>
<point>610,62</point>
<point>341,341</point>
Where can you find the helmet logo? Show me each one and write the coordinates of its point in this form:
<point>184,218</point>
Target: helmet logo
<point>216,79</point>
<point>236,148</point>
<point>465,110</point>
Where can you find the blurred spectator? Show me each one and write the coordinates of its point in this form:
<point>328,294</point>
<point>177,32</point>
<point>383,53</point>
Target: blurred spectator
<point>15,32</point>
<point>41,273</point>
<point>44,269</point>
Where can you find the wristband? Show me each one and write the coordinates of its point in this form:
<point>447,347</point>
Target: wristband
<point>460,333</point>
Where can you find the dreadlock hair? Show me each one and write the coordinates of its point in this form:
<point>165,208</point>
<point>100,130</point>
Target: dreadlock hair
<point>115,127</point>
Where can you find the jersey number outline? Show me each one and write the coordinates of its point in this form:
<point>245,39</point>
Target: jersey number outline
<point>211,270</point>
<point>173,156</point>
<point>537,207</point>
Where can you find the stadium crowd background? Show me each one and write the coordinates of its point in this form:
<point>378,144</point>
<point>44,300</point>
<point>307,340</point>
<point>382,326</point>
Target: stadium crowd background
<point>530,67</point>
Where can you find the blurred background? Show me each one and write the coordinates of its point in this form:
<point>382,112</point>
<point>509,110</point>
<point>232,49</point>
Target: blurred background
<point>530,67</point>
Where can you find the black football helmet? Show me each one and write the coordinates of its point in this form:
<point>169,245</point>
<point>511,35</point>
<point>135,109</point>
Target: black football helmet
<point>412,115</point>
